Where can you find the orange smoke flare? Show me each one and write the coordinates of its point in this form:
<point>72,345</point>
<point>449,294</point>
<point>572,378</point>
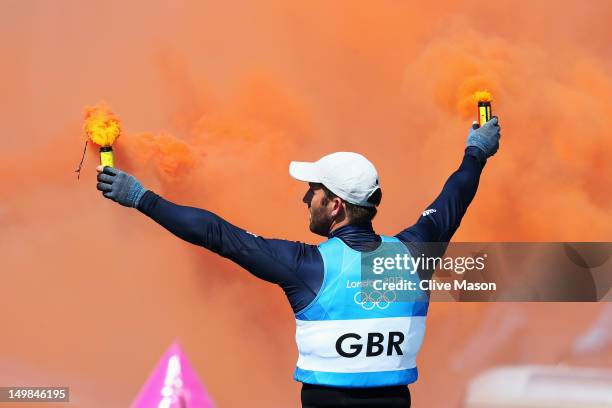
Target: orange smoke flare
<point>103,128</point>
<point>101,125</point>
<point>482,96</point>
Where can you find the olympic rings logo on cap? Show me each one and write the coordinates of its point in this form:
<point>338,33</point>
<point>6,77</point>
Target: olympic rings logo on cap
<point>369,301</point>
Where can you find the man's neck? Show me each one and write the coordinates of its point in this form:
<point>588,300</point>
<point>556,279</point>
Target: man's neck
<point>360,237</point>
<point>335,225</point>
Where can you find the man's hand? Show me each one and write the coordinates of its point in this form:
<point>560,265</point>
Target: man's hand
<point>119,186</point>
<point>486,138</point>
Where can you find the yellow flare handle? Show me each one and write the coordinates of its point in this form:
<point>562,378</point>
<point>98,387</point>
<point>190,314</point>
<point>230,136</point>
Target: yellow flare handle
<point>106,157</point>
<point>484,112</point>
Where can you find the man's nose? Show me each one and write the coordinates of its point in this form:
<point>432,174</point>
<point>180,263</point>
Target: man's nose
<point>307,197</point>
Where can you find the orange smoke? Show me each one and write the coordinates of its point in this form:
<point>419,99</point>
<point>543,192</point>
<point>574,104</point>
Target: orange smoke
<point>101,125</point>
<point>482,96</point>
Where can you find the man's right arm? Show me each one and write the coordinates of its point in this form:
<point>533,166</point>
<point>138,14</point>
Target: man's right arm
<point>296,267</point>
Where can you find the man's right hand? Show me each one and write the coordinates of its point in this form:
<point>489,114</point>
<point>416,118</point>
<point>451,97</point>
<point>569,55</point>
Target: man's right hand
<point>119,186</point>
<point>486,137</point>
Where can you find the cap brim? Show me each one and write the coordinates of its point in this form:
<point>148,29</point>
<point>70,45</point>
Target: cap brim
<point>304,171</point>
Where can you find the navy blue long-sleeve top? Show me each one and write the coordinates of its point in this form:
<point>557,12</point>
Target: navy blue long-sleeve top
<point>298,267</point>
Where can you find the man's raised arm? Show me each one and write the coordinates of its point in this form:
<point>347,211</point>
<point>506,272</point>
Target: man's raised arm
<point>292,265</point>
<point>441,219</point>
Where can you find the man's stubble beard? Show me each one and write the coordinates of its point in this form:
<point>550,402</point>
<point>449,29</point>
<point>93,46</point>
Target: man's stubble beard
<point>319,222</point>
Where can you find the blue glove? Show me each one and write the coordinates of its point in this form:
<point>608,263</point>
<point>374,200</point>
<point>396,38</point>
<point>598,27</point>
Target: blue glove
<point>119,186</point>
<point>486,138</point>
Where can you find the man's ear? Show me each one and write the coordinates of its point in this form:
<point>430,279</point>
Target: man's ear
<point>338,207</point>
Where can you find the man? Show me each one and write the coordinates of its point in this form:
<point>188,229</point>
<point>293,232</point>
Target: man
<point>352,351</point>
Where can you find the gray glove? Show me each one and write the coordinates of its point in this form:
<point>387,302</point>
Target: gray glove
<point>120,186</point>
<point>486,138</point>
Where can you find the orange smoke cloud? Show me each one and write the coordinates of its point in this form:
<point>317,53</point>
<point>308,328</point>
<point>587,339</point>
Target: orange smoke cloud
<point>101,125</point>
<point>484,96</point>
<point>170,157</point>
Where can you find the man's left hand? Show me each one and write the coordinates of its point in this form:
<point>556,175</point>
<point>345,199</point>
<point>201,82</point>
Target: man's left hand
<point>486,138</point>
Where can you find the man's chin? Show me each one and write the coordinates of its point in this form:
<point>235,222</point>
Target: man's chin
<point>318,229</point>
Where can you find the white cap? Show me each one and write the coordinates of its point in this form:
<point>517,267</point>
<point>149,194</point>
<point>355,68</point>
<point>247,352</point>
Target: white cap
<point>348,175</point>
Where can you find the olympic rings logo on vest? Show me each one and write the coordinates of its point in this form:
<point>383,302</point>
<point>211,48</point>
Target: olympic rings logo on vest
<point>374,298</point>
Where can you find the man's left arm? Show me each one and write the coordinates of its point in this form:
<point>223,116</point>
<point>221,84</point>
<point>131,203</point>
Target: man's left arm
<point>441,219</point>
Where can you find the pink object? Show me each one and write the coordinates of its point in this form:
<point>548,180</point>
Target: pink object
<point>173,384</point>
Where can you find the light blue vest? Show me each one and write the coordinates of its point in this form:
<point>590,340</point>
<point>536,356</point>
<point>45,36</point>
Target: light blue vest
<point>346,339</point>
